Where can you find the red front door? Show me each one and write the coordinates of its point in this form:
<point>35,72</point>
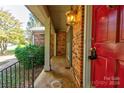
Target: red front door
<point>108,39</point>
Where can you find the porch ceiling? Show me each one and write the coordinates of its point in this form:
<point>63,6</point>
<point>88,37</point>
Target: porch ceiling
<point>57,13</point>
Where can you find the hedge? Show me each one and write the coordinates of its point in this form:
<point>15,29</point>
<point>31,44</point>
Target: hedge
<point>24,53</point>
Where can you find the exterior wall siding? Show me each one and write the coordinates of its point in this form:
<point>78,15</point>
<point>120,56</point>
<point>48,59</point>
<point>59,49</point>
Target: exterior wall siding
<point>77,47</point>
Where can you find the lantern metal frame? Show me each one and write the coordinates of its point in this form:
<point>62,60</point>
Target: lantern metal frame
<point>71,17</point>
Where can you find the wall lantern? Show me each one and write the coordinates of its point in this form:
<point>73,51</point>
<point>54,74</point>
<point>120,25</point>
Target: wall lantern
<point>70,17</point>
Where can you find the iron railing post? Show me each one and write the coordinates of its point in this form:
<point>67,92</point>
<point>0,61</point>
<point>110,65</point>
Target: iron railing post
<point>15,76</point>
<point>31,57</point>
<point>6,79</point>
<point>33,72</point>
<point>10,76</point>
<point>29,72</point>
<point>2,78</point>
<point>19,75</point>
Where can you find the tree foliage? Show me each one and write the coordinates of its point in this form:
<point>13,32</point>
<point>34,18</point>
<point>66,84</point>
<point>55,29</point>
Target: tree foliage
<point>10,30</point>
<point>33,22</point>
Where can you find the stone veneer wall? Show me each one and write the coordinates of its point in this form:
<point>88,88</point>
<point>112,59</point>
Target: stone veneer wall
<point>77,47</point>
<point>61,43</point>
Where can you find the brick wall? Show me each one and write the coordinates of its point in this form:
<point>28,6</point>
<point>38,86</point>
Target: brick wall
<point>77,47</point>
<point>38,38</point>
<point>61,43</point>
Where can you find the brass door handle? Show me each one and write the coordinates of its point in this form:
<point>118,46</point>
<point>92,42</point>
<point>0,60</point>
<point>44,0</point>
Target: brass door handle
<point>93,54</point>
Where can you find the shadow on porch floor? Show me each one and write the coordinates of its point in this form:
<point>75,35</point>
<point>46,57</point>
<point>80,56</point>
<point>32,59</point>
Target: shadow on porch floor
<point>59,77</point>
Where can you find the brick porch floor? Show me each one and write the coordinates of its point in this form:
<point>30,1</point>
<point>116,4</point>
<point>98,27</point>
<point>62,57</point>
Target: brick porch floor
<point>58,77</point>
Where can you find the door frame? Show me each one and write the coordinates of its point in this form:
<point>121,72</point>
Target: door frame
<point>87,45</point>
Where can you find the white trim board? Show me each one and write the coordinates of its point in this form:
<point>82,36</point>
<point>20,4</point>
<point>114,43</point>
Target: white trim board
<point>87,46</point>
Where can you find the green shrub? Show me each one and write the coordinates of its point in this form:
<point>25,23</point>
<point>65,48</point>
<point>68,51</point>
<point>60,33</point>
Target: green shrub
<point>23,52</point>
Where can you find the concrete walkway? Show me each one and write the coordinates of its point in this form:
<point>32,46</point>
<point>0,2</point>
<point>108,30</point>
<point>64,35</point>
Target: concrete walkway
<point>7,61</point>
<point>6,58</point>
<point>59,77</point>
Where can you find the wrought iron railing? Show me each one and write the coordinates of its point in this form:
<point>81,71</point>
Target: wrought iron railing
<point>17,76</point>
